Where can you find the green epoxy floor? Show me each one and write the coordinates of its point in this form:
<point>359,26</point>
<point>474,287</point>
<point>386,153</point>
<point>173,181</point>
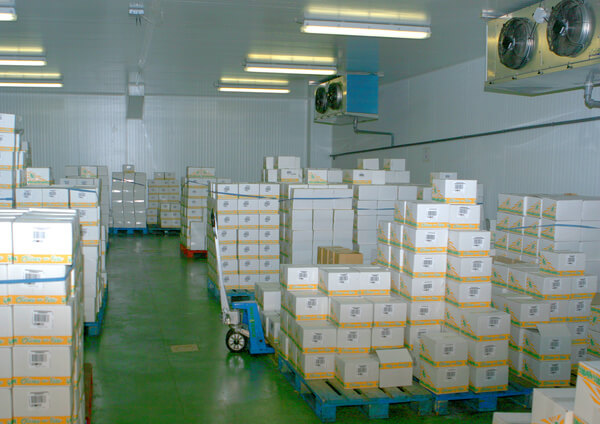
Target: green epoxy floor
<point>159,299</point>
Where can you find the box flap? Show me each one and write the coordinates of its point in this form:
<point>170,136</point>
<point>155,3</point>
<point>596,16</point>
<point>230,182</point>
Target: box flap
<point>553,330</point>
<point>393,356</point>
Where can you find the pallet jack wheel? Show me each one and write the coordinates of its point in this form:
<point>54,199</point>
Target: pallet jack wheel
<point>236,342</point>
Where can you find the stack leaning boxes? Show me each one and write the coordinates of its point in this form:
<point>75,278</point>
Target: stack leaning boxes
<point>164,203</point>
<point>87,175</point>
<point>14,158</point>
<point>282,169</point>
<point>374,199</point>
<point>41,324</point>
<point>340,321</point>
<point>128,198</point>
<point>82,195</point>
<point>194,201</point>
<point>312,216</point>
<point>577,405</point>
<point>248,221</point>
<point>542,242</point>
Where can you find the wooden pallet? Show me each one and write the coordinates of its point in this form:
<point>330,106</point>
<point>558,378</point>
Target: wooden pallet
<point>93,328</point>
<point>190,254</point>
<point>325,396</point>
<point>129,231</point>
<point>233,295</point>
<point>483,402</point>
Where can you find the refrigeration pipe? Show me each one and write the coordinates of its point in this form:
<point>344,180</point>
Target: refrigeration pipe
<point>475,135</point>
<point>357,131</point>
<point>587,95</point>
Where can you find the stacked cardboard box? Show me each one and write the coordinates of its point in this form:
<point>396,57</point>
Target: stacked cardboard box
<point>313,216</point>
<point>128,198</point>
<point>41,324</point>
<point>248,221</point>
<point>89,175</point>
<point>82,195</point>
<point>338,255</point>
<point>164,202</point>
<point>542,243</point>
<point>339,321</point>
<point>282,169</point>
<point>570,405</point>
<point>14,158</point>
<point>194,201</point>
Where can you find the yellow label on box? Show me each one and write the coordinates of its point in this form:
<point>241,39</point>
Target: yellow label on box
<point>389,324</point>
<point>5,382</point>
<point>395,365</point>
<point>361,385</point>
<point>500,388</point>
<point>38,300</point>
<point>43,420</point>
<point>352,350</point>
<point>43,340</point>
<point>6,341</point>
<point>340,292</point>
<point>43,259</point>
<point>41,381</point>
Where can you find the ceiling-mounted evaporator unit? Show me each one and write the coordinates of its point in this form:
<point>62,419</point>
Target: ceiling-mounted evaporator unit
<point>343,99</point>
<point>548,47</point>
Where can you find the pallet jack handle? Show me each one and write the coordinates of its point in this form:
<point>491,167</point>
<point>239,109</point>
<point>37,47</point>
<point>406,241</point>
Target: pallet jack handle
<point>228,316</point>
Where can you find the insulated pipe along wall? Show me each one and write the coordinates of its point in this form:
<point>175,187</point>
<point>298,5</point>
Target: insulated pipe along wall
<point>451,102</point>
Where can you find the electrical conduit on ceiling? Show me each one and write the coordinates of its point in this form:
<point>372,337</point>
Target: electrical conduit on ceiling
<point>473,135</point>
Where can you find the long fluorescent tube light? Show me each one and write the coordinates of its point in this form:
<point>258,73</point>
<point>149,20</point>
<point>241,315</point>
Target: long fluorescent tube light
<point>32,84</point>
<point>8,14</point>
<point>235,80</point>
<point>254,90</point>
<point>291,58</point>
<point>365,29</point>
<point>22,61</point>
<point>290,69</point>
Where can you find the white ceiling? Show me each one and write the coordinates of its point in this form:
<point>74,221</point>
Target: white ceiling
<point>191,43</point>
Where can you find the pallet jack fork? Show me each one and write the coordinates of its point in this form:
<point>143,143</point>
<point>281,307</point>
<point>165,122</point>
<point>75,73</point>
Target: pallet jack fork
<point>245,326</point>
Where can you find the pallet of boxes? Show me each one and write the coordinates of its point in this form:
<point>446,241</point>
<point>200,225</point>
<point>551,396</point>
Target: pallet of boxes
<point>41,323</point>
<point>164,202</point>
<point>440,263</point>
<point>194,201</point>
<point>128,199</point>
<point>578,405</point>
<point>84,196</point>
<point>375,192</point>
<point>281,169</point>
<point>541,278</point>
<point>247,216</point>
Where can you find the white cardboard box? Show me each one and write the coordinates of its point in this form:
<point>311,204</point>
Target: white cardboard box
<point>353,340</point>
<point>455,191</point>
<point>548,342</point>
<point>387,338</point>
<point>357,371</point>
<point>351,312</point>
<point>395,368</point>
<point>553,405</point>
<point>444,379</point>
<point>586,406</point>
<point>315,337</point>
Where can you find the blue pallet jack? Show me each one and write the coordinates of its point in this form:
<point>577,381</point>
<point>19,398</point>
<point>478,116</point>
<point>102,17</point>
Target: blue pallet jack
<point>245,326</point>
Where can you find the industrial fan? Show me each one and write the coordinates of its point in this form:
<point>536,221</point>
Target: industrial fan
<point>321,100</point>
<point>570,28</point>
<point>516,42</point>
<point>335,95</point>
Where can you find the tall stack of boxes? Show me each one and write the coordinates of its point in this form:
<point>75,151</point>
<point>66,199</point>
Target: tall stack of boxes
<point>194,201</point>
<point>340,322</point>
<point>164,202</point>
<point>542,242</point>
<point>14,158</point>
<point>83,195</point>
<point>41,324</point>
<point>314,216</point>
<point>128,198</point>
<point>248,221</point>
<point>282,169</point>
<point>569,405</point>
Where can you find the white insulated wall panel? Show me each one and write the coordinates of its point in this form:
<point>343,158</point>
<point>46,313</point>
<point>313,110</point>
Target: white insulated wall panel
<point>232,134</point>
<point>451,102</point>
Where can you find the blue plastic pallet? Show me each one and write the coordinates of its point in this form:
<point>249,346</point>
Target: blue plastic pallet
<point>128,231</point>
<point>483,402</point>
<point>233,295</point>
<point>154,229</point>
<point>325,396</point>
<point>93,328</point>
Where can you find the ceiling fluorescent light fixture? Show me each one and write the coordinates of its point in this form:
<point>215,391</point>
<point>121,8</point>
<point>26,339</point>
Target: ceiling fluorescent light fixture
<point>8,14</point>
<point>234,80</point>
<point>22,61</point>
<point>365,29</point>
<point>292,58</point>
<point>266,90</point>
<point>298,69</point>
<point>31,84</point>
